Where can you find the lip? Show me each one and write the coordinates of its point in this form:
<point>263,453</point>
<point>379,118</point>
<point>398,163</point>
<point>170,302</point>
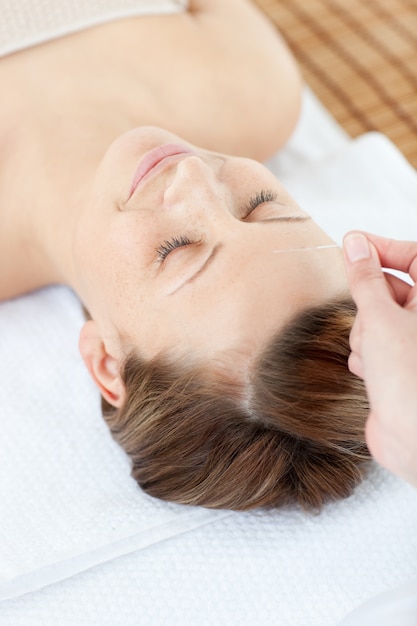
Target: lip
<point>153,158</point>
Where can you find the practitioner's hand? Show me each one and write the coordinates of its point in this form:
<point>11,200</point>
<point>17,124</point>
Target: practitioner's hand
<point>383,342</point>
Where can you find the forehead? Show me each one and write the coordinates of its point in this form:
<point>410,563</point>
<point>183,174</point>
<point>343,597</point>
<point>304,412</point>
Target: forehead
<point>238,306</point>
<point>245,296</point>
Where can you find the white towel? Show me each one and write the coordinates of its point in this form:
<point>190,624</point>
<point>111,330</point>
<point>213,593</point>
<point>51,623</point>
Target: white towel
<point>396,608</point>
<point>65,485</point>
<point>68,507</point>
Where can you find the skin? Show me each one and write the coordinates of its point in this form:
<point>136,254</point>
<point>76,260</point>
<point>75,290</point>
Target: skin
<point>80,115</point>
<point>69,99</point>
<point>383,343</point>
<point>245,293</point>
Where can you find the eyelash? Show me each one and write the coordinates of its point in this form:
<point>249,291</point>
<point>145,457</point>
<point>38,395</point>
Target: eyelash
<point>171,244</point>
<point>261,197</point>
<point>168,246</point>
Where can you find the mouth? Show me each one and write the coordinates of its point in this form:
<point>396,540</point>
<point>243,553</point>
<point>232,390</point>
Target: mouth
<point>154,160</point>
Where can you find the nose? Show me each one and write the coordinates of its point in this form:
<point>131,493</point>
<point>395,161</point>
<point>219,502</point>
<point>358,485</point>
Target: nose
<point>195,182</point>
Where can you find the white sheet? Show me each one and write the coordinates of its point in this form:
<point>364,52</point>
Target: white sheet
<point>68,507</point>
<point>66,493</point>
<point>395,608</point>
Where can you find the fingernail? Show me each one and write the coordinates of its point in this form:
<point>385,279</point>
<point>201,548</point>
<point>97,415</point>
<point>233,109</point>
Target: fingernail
<point>356,247</point>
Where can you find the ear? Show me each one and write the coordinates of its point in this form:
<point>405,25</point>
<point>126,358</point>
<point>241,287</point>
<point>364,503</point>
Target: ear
<point>103,367</point>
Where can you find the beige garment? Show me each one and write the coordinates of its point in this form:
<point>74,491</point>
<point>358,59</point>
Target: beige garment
<point>26,23</point>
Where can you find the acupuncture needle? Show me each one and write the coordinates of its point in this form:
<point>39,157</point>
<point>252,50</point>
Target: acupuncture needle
<point>332,245</point>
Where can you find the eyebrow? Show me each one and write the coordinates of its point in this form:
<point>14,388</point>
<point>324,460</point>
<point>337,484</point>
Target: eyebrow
<point>293,218</point>
<point>213,254</point>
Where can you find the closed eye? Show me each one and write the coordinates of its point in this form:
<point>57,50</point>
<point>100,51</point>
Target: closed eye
<point>261,197</point>
<point>172,244</point>
<point>169,245</point>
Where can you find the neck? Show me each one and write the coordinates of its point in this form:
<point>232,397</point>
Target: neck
<point>48,168</point>
<point>55,126</point>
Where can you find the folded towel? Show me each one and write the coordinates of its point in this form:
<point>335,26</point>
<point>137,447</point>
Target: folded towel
<point>68,506</point>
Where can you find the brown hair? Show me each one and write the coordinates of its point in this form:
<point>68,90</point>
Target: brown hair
<point>295,433</point>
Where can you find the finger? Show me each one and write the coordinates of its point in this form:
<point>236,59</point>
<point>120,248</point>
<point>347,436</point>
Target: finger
<point>355,365</point>
<point>395,254</point>
<point>386,449</point>
<point>355,337</point>
<point>374,438</point>
<point>411,301</point>
<point>400,290</point>
<point>366,279</point>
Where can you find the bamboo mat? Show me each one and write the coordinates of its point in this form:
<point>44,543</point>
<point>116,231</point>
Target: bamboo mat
<point>360,59</point>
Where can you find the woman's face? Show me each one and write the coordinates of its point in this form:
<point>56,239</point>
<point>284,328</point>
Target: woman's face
<point>187,261</point>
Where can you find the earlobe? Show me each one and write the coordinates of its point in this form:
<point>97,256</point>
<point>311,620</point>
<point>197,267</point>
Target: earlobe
<point>103,367</point>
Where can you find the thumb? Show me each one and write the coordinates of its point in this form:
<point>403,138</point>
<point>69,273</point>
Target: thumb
<point>365,276</point>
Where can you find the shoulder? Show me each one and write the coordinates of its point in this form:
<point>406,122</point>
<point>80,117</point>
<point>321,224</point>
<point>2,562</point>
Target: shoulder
<point>236,55</point>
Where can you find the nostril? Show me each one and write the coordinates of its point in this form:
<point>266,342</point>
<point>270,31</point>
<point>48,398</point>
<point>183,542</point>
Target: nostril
<point>192,179</point>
